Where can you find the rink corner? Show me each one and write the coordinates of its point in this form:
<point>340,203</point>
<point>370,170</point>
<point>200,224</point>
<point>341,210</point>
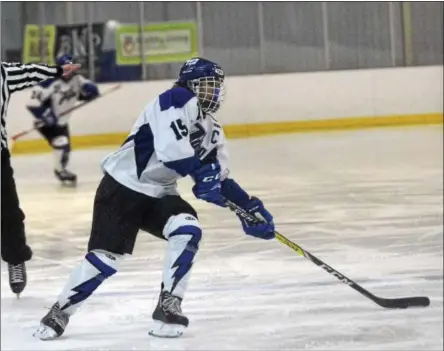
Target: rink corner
<point>250,130</point>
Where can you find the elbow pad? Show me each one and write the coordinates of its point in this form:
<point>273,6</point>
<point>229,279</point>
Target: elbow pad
<point>184,166</point>
<point>89,92</point>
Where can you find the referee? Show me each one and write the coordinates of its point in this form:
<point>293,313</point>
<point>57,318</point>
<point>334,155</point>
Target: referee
<point>15,251</point>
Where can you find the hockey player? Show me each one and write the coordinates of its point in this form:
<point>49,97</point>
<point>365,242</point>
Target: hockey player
<point>174,136</point>
<point>50,102</point>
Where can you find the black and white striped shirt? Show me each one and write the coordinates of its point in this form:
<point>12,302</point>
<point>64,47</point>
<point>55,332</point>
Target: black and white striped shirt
<point>17,76</point>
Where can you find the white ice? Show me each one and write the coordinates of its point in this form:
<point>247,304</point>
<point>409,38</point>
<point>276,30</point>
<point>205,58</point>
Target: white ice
<point>369,203</point>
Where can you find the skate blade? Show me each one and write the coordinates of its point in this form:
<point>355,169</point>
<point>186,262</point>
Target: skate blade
<point>45,333</point>
<point>162,330</point>
<point>68,184</point>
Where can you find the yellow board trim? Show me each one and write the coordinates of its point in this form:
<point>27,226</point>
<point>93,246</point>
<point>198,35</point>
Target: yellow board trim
<point>249,130</point>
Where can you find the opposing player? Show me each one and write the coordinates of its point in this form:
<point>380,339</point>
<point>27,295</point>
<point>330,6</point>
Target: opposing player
<point>174,136</point>
<point>50,102</point>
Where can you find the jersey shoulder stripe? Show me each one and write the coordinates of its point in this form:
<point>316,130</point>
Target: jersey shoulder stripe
<point>176,97</point>
<point>46,83</point>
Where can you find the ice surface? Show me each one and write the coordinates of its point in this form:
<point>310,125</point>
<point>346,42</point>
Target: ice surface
<point>369,203</point>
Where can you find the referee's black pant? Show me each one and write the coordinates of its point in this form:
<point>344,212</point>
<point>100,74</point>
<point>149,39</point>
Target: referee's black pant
<point>13,239</point>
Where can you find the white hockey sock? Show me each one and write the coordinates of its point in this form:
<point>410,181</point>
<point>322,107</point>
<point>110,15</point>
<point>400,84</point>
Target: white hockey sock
<point>61,150</point>
<point>184,234</point>
<point>97,266</point>
<point>58,154</point>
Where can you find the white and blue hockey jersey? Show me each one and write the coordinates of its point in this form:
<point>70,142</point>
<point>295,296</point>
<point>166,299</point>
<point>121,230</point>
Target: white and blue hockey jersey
<point>169,137</point>
<point>57,96</point>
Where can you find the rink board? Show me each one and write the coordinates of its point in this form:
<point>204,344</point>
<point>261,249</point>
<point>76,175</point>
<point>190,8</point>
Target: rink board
<point>249,130</point>
<point>262,105</point>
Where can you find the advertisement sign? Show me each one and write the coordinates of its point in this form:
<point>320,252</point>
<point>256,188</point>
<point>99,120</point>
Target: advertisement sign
<point>34,46</point>
<point>61,40</point>
<point>74,40</point>
<point>166,42</point>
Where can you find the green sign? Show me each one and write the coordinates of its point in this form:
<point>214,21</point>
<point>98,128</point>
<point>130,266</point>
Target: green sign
<point>32,44</point>
<point>162,43</point>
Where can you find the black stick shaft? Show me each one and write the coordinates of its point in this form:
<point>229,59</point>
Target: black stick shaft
<point>420,301</point>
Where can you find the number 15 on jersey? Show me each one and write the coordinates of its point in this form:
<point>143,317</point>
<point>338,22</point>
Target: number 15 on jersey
<point>180,130</point>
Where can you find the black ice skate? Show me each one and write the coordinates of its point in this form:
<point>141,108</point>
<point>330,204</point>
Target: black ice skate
<point>169,322</point>
<point>17,277</point>
<point>53,324</point>
<point>66,177</point>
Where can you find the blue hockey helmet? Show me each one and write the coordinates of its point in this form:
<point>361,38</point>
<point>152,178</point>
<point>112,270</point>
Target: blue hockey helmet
<point>63,60</point>
<point>206,80</point>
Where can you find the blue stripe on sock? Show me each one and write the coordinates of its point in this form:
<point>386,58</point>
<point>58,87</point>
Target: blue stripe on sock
<point>196,232</point>
<point>85,289</point>
<point>103,268</point>
<point>184,262</point>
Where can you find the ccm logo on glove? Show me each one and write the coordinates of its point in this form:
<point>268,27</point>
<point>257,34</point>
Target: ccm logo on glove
<point>211,178</point>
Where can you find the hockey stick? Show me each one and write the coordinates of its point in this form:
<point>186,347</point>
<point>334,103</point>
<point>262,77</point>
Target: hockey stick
<point>14,138</point>
<point>404,302</point>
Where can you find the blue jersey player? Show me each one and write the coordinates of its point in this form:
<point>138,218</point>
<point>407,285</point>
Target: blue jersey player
<point>50,103</point>
<point>174,136</point>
